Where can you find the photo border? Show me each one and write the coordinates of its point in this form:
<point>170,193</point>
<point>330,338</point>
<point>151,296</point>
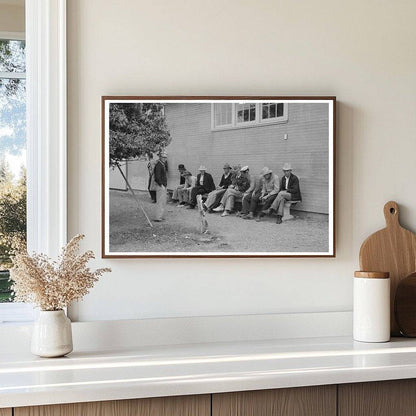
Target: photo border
<point>104,175</point>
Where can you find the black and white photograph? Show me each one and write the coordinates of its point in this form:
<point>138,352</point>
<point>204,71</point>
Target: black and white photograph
<point>218,176</point>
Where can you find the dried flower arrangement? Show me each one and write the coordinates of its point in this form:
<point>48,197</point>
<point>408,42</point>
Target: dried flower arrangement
<point>53,285</point>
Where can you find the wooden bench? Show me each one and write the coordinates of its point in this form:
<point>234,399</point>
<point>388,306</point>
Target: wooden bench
<point>286,210</point>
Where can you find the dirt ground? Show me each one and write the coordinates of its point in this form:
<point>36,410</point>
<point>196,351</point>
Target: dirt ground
<point>130,232</point>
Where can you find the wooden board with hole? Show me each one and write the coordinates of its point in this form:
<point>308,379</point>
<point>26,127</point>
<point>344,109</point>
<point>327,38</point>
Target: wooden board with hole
<point>393,250</point>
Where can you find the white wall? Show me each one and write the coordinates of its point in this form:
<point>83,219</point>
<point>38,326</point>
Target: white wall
<point>361,51</point>
<point>12,18</point>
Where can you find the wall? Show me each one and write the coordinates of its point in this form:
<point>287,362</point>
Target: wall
<point>12,18</point>
<point>194,143</point>
<point>361,51</point>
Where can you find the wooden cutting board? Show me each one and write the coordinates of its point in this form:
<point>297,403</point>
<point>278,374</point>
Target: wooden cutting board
<point>393,250</point>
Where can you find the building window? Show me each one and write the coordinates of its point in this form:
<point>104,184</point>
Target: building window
<point>271,111</point>
<point>12,155</point>
<point>246,113</point>
<point>226,116</point>
<point>223,114</point>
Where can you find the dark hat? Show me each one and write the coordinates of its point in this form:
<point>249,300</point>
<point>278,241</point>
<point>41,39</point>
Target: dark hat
<point>181,166</point>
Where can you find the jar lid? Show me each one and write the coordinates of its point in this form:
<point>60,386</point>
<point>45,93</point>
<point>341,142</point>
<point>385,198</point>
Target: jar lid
<point>372,275</point>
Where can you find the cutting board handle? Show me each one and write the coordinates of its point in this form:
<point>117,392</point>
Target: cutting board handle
<point>391,214</point>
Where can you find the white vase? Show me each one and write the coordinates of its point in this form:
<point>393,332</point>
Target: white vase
<point>52,334</point>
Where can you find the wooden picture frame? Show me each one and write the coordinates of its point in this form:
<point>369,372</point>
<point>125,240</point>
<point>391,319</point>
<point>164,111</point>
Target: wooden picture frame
<point>257,132</point>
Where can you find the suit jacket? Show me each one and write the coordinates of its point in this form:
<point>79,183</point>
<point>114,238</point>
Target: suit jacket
<point>208,182</point>
<point>242,183</point>
<point>292,187</point>
<point>160,174</point>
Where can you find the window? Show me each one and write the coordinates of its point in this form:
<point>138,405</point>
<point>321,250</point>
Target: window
<point>45,26</point>
<point>223,114</point>
<point>247,114</point>
<point>271,111</point>
<point>12,155</point>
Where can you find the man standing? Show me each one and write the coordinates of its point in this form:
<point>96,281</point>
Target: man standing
<point>204,185</point>
<point>181,169</point>
<point>241,184</point>
<point>289,191</point>
<point>215,196</point>
<point>151,183</point>
<point>161,182</point>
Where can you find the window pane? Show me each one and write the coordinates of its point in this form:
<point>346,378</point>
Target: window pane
<point>252,112</point>
<point>265,113</point>
<point>245,113</point>
<point>272,110</point>
<point>279,110</point>
<point>12,56</point>
<point>240,116</point>
<point>12,174</point>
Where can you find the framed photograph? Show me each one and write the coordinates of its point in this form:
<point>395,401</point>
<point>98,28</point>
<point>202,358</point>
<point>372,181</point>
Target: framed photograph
<point>218,176</point>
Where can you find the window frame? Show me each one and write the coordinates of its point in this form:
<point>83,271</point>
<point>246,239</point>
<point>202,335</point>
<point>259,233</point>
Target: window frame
<point>46,137</point>
<point>258,122</point>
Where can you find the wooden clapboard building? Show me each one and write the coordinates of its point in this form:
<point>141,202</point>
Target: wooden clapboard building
<point>257,135</point>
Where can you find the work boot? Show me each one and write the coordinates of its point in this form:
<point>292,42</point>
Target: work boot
<point>279,219</point>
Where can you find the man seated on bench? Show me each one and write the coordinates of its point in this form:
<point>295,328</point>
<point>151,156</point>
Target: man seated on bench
<point>251,196</point>
<point>240,185</point>
<point>289,191</point>
<point>181,169</point>
<point>204,185</point>
<point>184,194</point>
<point>214,197</point>
<point>269,191</point>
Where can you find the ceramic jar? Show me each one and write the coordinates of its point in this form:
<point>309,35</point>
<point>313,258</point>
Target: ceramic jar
<point>52,334</point>
<point>371,312</point>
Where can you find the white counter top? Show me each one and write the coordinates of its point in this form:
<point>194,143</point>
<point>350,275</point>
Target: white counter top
<point>93,375</point>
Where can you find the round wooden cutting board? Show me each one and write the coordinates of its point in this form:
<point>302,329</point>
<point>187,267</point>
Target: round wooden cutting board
<point>393,250</point>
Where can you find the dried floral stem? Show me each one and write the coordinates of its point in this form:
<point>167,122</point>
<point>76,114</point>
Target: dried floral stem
<point>53,285</point>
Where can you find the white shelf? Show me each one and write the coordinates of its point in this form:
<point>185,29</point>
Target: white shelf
<point>150,371</point>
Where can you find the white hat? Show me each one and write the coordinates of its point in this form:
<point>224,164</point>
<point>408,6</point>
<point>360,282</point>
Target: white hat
<point>287,166</point>
<point>265,171</point>
<point>202,167</point>
<point>244,168</point>
<point>163,154</point>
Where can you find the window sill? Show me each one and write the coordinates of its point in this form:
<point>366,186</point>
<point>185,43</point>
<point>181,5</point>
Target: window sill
<point>16,313</point>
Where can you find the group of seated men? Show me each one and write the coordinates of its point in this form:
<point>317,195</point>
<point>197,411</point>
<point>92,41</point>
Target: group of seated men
<point>237,183</point>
